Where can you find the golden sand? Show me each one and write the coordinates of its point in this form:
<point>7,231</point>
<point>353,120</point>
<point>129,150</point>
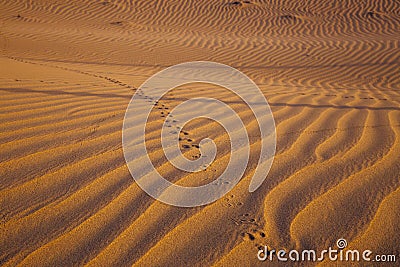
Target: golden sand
<point>329,70</point>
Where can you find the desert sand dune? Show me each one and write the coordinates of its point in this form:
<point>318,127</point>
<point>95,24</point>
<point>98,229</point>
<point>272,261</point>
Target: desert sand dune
<point>329,70</point>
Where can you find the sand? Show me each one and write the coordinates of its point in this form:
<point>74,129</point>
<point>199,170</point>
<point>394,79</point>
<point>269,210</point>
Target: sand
<point>329,70</point>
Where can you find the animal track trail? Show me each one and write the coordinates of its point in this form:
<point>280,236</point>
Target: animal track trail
<point>239,3</point>
<point>231,202</point>
<point>109,79</point>
<point>254,232</point>
<point>186,142</point>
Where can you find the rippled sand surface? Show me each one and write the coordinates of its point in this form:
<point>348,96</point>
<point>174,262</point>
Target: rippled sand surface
<point>329,70</point>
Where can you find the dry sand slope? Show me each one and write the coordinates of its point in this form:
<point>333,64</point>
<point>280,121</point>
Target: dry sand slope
<point>329,69</point>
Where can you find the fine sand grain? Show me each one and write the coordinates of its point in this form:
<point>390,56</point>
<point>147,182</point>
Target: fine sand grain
<point>329,70</point>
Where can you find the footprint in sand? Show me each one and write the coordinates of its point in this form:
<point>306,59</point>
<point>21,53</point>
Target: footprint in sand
<point>232,203</point>
<point>240,3</point>
<point>117,23</point>
<point>288,18</point>
<point>254,235</point>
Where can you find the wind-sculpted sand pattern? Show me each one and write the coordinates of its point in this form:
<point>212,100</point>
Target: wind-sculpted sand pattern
<point>329,70</point>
